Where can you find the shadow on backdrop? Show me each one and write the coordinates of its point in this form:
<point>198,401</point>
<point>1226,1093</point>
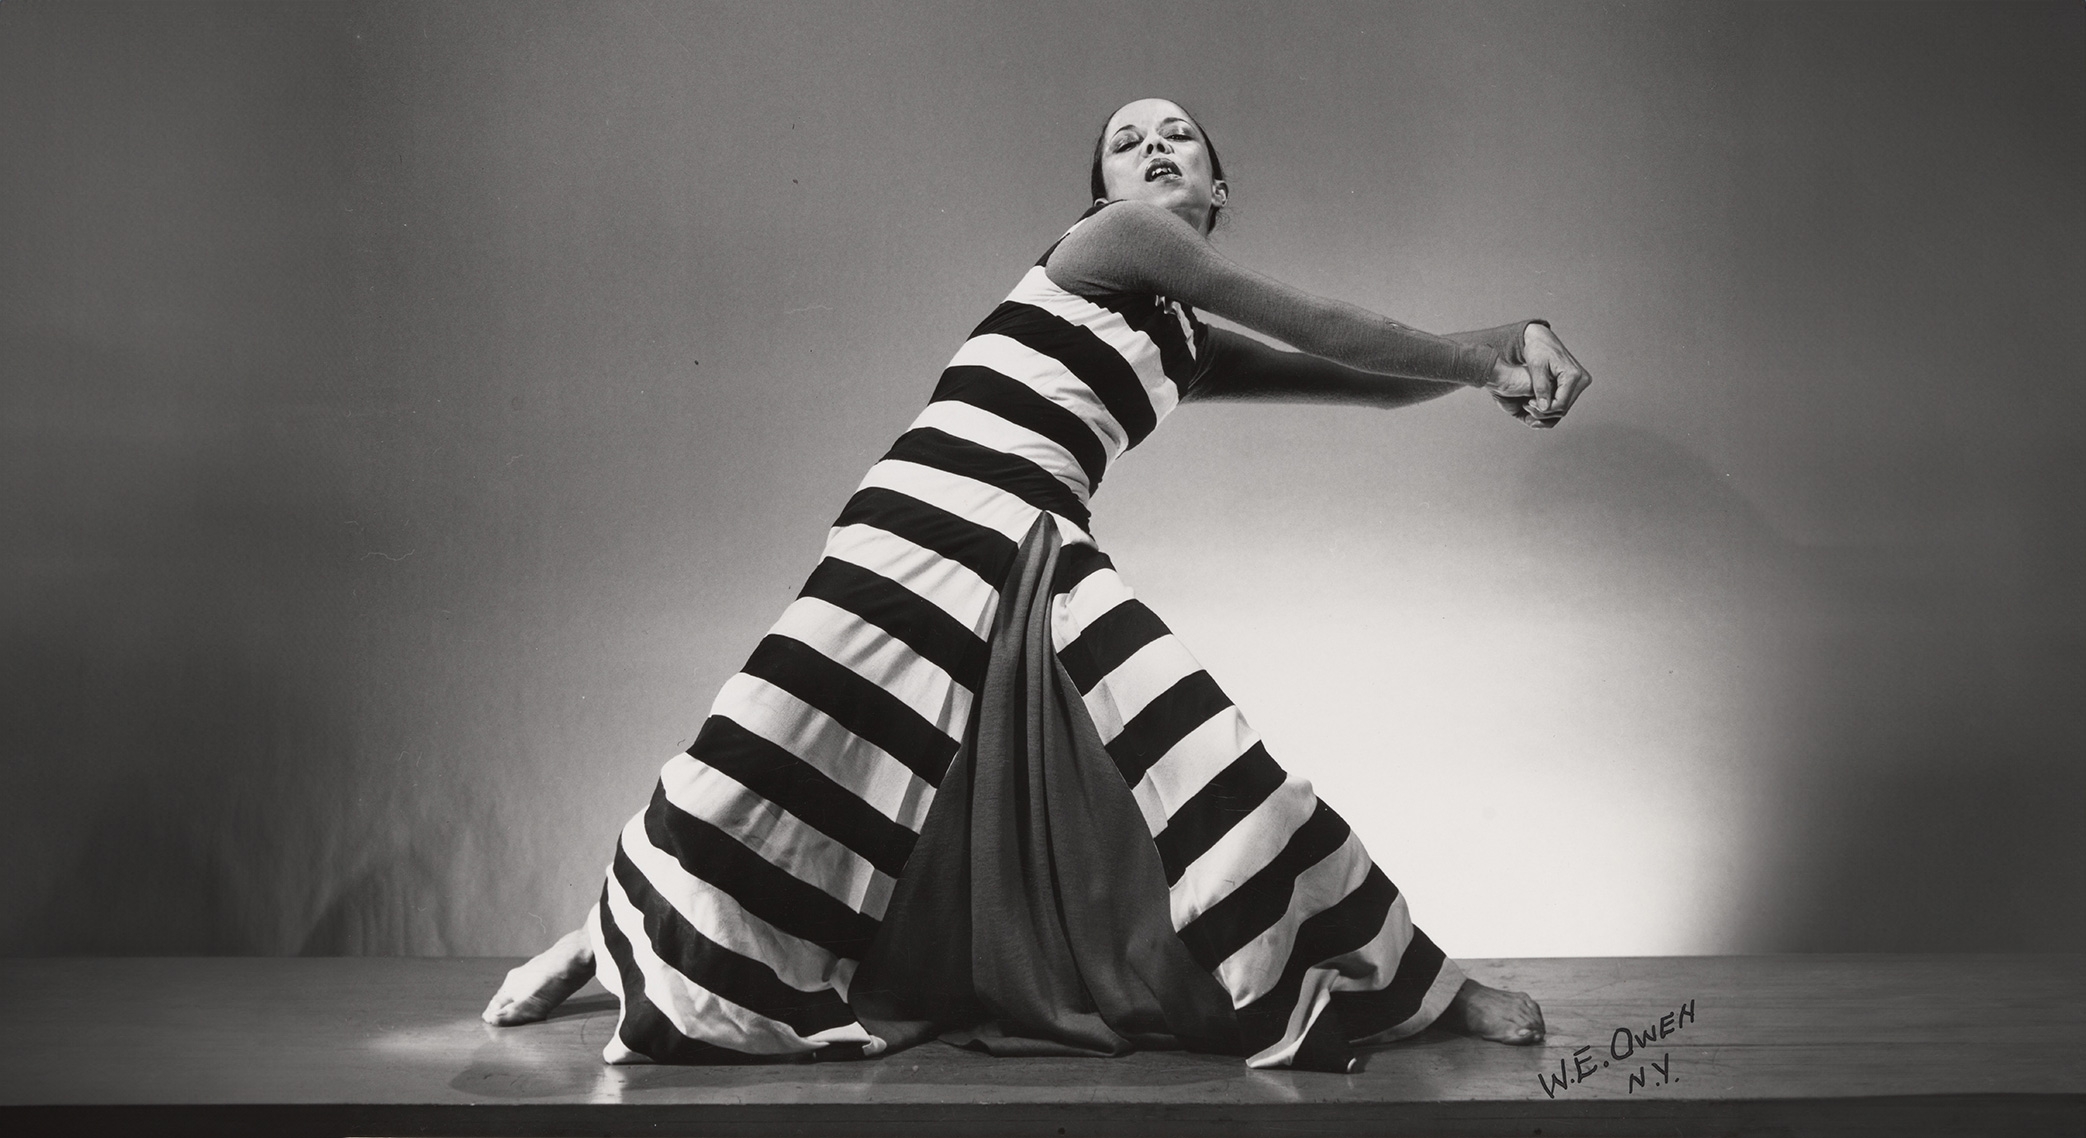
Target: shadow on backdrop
<point>1922,789</point>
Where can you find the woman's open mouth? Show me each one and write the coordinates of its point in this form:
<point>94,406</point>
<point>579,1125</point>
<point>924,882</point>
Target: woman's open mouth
<point>1159,169</point>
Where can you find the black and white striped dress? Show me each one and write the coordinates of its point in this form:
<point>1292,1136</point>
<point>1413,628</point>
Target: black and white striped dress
<point>742,899</point>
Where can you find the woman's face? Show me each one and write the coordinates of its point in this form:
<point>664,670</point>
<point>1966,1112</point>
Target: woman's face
<point>1153,152</point>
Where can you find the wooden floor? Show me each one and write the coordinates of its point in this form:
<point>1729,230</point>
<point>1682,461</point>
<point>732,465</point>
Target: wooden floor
<point>1671,1045</point>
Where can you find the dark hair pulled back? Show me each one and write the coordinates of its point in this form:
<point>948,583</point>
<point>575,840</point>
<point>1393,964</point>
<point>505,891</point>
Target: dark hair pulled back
<point>1097,186</point>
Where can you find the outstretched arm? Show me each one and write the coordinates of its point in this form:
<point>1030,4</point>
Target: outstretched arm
<point>1135,247</point>
<point>1240,367</point>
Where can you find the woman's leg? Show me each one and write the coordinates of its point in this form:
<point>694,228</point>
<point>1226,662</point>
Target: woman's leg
<point>532,990</point>
<point>1269,887</point>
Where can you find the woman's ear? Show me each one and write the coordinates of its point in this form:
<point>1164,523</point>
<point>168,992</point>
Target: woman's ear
<point>1219,192</point>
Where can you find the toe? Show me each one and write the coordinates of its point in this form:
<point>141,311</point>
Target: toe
<point>513,1013</point>
<point>501,1009</point>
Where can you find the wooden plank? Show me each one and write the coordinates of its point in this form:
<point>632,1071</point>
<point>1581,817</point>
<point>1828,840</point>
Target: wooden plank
<point>1899,1044</point>
<point>2010,1116</point>
<point>1822,1000</point>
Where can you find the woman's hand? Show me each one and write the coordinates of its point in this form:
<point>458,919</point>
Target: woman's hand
<point>1542,390</point>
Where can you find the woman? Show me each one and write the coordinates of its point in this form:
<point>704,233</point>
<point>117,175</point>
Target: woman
<point>969,787</point>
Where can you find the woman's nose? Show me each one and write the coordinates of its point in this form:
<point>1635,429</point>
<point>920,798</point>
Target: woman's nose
<point>1156,144</point>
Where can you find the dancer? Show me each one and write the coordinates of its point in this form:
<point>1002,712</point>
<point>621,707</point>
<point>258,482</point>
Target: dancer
<point>969,787</point>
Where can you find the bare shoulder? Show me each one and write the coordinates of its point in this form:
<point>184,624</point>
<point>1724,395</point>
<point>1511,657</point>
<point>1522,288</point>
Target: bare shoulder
<point>1140,218</point>
<point>1126,245</point>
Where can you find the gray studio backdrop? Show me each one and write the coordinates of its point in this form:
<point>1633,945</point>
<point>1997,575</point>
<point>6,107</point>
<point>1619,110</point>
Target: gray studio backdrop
<point>414,413</point>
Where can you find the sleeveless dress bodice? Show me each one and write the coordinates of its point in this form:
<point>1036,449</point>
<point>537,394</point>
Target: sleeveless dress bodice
<point>1062,383</point>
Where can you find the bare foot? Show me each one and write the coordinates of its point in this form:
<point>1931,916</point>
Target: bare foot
<point>1489,1013</point>
<point>532,990</point>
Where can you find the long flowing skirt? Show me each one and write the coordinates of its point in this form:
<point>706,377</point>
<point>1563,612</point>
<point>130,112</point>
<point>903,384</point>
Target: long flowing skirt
<point>743,900</point>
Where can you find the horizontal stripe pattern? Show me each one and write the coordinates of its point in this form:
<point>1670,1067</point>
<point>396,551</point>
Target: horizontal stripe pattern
<point>776,836</point>
<point>1003,436</point>
<point>1270,889</point>
<point>1160,724</point>
<point>741,898</point>
<point>761,888</point>
<point>1186,768</point>
<point>799,727</point>
<point>1103,645</point>
<point>931,632</point>
<point>805,792</point>
<point>947,584</point>
<point>1237,791</point>
<point>987,553</point>
<point>672,1015</point>
<point>1352,923</point>
<point>1242,851</point>
<point>1094,362</point>
<point>863,708</point>
<point>1049,378</point>
<point>1312,887</point>
<point>1169,331</point>
<point>1012,473</point>
<point>715,912</point>
<point>883,661</point>
<point>1150,674</point>
<point>1023,405</point>
<point>1075,564</point>
<point>958,494</point>
<point>1109,327</point>
<point>741,980</point>
<point>1249,910</point>
<point>1424,983</point>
